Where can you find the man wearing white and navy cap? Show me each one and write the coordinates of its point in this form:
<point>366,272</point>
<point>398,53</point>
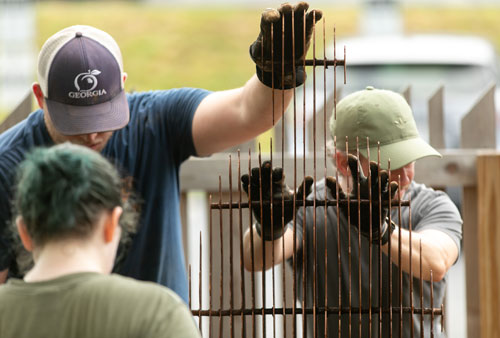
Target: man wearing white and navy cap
<point>148,135</point>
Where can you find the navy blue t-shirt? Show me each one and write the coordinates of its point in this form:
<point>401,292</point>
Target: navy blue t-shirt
<point>150,150</point>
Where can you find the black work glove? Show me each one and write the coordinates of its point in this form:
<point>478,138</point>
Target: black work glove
<point>378,214</point>
<point>272,230</point>
<point>261,49</point>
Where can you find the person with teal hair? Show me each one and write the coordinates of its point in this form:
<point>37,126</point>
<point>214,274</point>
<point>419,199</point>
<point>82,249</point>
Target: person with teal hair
<point>70,208</point>
<point>365,235</point>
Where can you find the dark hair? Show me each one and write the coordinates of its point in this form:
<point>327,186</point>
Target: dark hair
<point>63,190</point>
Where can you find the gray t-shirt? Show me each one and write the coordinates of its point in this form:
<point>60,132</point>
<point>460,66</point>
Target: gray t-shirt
<point>92,305</point>
<point>430,209</point>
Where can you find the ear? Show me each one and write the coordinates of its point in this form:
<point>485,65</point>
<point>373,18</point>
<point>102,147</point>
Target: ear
<point>112,224</point>
<point>341,162</point>
<point>37,91</point>
<point>23,233</point>
<point>125,75</point>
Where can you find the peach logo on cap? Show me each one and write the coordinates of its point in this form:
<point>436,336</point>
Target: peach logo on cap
<point>85,83</point>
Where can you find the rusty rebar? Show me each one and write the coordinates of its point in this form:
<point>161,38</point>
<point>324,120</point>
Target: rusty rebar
<point>359,236</point>
<point>242,272</point>
<point>231,300</point>
<point>389,251</point>
<point>306,311</point>
<point>410,267</point>
<point>252,253</point>
<point>221,285</point>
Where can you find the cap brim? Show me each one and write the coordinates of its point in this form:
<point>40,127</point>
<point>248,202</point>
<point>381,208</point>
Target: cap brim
<point>77,120</point>
<point>401,153</point>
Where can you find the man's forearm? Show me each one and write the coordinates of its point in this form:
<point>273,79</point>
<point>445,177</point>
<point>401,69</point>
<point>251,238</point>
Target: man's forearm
<point>439,253</point>
<point>261,103</point>
<point>282,248</point>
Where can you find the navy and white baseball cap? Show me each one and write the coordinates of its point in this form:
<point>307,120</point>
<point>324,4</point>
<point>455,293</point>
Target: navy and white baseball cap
<point>80,71</point>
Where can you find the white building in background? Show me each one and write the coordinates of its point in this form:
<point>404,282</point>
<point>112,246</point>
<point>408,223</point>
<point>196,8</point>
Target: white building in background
<point>17,51</point>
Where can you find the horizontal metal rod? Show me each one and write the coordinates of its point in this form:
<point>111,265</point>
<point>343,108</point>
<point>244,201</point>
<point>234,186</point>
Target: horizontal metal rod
<point>330,310</point>
<point>322,62</point>
<point>308,62</point>
<point>309,203</point>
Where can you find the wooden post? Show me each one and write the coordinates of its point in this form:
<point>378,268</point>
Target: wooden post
<point>407,94</point>
<point>436,120</point>
<point>18,114</point>
<point>478,131</point>
<point>488,203</point>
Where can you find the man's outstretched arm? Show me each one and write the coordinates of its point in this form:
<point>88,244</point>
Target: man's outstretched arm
<point>231,117</point>
<point>227,118</point>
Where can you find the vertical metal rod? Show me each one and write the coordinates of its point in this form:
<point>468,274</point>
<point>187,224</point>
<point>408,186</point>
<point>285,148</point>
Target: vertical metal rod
<point>263,274</point>
<point>334,73</point>
<point>349,239</point>
<point>189,286</point>
<point>231,300</point>
<point>304,219</point>
<point>294,140</point>
<point>242,273</point>
<point>294,256</point>
<point>325,170</point>
<point>370,238</point>
<point>359,238</point>
<point>411,268</point>
<point>221,285</point>
<point>379,262</point>
<point>442,317</point>
<point>251,239</point>
<point>283,273</point>
<point>272,67</point>
<point>271,173</point>
<point>315,273</point>
<point>272,235</point>
<point>283,167</point>
<point>432,306</point>
<point>344,66</point>
<point>400,276</point>
<point>389,252</point>
<point>421,292</point>
<point>339,265</point>
<point>210,271</point>
<point>200,285</point>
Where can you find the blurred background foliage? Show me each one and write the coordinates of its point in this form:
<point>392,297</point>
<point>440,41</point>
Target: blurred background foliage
<point>174,46</point>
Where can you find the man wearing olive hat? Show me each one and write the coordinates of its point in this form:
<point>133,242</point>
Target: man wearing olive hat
<point>386,120</point>
<point>148,135</point>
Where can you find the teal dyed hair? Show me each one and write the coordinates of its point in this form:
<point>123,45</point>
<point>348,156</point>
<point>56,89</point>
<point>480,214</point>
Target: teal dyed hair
<point>63,190</point>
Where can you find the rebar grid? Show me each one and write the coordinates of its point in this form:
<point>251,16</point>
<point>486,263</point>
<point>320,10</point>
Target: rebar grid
<point>314,310</point>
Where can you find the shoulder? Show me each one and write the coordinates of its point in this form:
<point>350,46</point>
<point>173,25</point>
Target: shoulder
<point>157,307</point>
<point>420,194</point>
<point>150,293</point>
<point>18,139</point>
<point>171,97</point>
<point>434,209</point>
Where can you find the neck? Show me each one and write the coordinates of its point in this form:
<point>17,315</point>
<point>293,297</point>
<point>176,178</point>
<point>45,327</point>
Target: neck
<point>64,258</point>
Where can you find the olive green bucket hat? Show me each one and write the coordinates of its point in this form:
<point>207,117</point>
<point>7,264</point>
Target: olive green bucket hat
<point>384,117</point>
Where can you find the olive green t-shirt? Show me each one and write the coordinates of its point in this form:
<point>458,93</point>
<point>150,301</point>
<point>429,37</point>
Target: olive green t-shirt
<point>92,305</point>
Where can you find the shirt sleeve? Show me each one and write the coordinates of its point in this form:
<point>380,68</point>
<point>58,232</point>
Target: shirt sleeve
<point>436,211</point>
<point>173,115</point>
<point>173,319</point>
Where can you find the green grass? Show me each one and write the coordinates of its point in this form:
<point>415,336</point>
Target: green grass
<point>165,47</point>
